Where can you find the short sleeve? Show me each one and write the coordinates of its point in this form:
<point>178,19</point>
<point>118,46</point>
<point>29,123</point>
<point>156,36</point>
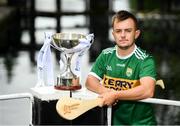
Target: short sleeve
<point>99,66</point>
<point>148,68</point>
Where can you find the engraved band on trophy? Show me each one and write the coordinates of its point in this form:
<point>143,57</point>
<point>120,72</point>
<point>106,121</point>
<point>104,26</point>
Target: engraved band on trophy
<point>65,43</point>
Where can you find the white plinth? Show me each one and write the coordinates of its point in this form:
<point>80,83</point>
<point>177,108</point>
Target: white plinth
<point>84,94</point>
<point>49,93</point>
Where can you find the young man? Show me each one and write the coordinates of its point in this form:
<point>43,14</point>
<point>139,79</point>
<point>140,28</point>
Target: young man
<point>125,73</point>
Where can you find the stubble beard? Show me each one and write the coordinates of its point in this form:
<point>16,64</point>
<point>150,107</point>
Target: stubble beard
<point>125,47</point>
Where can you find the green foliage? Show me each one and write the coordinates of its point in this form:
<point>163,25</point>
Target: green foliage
<point>147,5</point>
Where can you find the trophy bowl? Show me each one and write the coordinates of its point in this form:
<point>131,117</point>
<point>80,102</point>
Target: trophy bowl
<point>67,80</point>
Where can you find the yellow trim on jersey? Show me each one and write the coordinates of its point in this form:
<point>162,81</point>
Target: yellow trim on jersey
<point>119,83</point>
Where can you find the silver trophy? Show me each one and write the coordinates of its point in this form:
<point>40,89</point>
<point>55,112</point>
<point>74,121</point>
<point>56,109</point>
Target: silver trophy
<point>66,44</point>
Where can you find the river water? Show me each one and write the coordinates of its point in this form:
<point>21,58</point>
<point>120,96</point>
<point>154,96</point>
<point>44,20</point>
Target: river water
<point>18,73</point>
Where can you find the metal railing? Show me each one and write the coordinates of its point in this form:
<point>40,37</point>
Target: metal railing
<point>148,100</point>
<point>21,96</point>
<point>161,101</point>
<point>31,99</point>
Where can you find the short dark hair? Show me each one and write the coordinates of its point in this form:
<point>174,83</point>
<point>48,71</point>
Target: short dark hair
<point>123,15</point>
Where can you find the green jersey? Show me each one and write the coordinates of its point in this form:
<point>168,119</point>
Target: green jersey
<point>123,73</point>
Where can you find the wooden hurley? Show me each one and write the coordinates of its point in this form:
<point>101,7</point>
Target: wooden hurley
<point>71,108</point>
<point>160,83</point>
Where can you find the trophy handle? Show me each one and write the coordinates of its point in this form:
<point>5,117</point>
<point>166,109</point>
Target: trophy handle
<point>62,61</point>
<point>68,66</point>
<point>66,62</point>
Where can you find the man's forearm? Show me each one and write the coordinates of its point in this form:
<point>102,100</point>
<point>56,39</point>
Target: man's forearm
<point>136,93</point>
<point>94,85</point>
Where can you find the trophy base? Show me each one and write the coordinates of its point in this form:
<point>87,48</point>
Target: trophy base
<point>67,84</point>
<point>63,87</point>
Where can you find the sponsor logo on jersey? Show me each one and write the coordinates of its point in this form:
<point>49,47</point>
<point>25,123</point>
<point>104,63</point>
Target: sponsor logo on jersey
<point>128,72</point>
<point>109,68</point>
<point>120,65</point>
<point>119,83</point>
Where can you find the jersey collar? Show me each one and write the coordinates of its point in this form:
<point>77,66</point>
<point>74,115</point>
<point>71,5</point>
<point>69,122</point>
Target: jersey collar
<point>125,57</point>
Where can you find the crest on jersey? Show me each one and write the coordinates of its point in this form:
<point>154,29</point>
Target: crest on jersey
<point>128,72</point>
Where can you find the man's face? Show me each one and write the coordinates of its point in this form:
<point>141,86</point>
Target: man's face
<point>125,33</point>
